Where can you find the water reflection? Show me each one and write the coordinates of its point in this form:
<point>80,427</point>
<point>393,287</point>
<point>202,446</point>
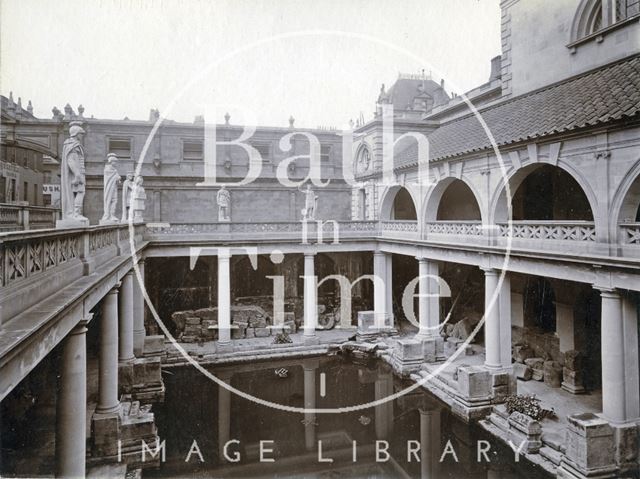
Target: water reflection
<point>413,436</point>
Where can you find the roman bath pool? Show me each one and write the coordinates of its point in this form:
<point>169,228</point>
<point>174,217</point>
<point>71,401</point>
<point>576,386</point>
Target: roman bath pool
<point>209,431</point>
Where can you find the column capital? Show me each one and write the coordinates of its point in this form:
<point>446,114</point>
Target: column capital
<point>422,259</point>
<point>490,271</point>
<point>224,255</point>
<point>81,327</point>
<point>607,291</point>
<point>131,272</point>
<point>310,253</point>
<point>115,288</point>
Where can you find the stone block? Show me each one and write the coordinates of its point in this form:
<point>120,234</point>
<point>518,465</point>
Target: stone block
<point>193,320</point>
<point>147,371</point>
<point>523,428</point>
<point>408,349</point>
<point>537,374</point>
<point>250,333</point>
<point>535,363</point>
<point>262,332</point>
<point>451,345</point>
<point>430,349</point>
<point>207,313</point>
<point>590,447</point>
<point>366,321</point>
<point>474,382</point>
<point>500,379</point>
<point>154,345</point>
<point>105,432</point>
<point>522,353</point>
<point>627,444</point>
<point>126,377</point>
<point>552,374</point>
<point>238,333</point>
<point>522,371</point>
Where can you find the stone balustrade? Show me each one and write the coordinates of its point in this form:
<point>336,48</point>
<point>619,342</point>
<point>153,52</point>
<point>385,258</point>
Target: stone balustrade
<point>23,217</point>
<point>630,233</point>
<point>549,230</point>
<point>473,228</point>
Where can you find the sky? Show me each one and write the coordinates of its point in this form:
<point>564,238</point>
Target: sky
<point>320,61</point>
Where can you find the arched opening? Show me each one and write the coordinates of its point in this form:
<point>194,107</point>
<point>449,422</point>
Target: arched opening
<point>549,193</point>
<point>403,206</point>
<point>630,210</point>
<point>543,192</point>
<point>458,203</point>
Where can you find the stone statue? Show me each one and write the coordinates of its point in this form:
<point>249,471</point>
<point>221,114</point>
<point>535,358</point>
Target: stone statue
<point>310,203</point>
<point>223,199</point>
<point>138,197</point>
<point>110,193</point>
<point>127,187</point>
<point>72,180</point>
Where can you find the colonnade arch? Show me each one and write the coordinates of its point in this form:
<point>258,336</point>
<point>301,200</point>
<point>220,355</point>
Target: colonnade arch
<point>399,203</point>
<point>626,201</point>
<point>453,199</point>
<point>566,195</point>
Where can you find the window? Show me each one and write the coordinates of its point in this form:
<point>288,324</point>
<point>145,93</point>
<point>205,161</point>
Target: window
<point>595,17</point>
<point>121,147</point>
<point>46,177</point>
<point>35,193</point>
<point>626,9</point>
<point>324,153</point>
<point>192,150</point>
<point>25,191</point>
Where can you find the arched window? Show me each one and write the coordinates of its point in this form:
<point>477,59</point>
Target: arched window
<point>593,16</point>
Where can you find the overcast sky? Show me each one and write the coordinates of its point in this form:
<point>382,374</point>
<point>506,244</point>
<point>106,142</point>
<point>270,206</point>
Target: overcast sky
<point>122,57</point>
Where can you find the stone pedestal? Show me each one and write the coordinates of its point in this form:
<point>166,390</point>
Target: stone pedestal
<point>590,448</point>
<point>433,349</point>
<point>525,430</point>
<point>407,356</point>
<point>108,222</point>
<point>72,223</point>
<point>142,379</point>
<point>473,393</point>
<point>154,346</point>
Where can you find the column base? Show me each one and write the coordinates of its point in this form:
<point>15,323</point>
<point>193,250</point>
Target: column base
<point>224,347</point>
<point>105,433</point>
<point>311,340</point>
<point>142,378</point>
<point>72,223</point>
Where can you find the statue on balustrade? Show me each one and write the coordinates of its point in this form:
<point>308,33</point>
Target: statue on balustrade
<point>72,180</point>
<point>138,198</point>
<point>110,193</point>
<point>310,204</point>
<point>223,198</point>
<point>127,187</point>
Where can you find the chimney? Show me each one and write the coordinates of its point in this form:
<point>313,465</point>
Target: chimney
<point>442,83</point>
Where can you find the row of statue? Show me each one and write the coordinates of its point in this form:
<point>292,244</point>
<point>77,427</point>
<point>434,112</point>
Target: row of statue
<point>133,194</point>
<point>72,190</point>
<point>73,184</point>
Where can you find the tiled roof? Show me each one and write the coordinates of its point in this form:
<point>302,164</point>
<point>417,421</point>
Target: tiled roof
<point>607,94</point>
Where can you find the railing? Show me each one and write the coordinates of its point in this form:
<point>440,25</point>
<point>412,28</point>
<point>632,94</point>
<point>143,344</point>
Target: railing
<point>35,264</point>
<point>19,217</point>
<point>400,225</point>
<point>268,230</point>
<point>583,231</point>
<point>472,228</point>
<point>630,233</point>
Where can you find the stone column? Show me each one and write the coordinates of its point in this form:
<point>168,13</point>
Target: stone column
<point>125,317</point>
<point>310,298</point>
<point>224,299</point>
<point>383,388</point>
<point>380,288</point>
<point>310,367</point>
<point>389,318</point>
<point>504,300</point>
<point>71,418</point>
<point>613,370</point>
<point>138,312</point>
<point>224,413</point>
<point>491,319</point>
<point>428,299</point>
<point>430,443</point>
<point>108,376</point>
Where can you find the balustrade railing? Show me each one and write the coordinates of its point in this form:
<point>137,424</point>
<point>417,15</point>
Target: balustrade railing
<point>400,226</point>
<point>630,233</point>
<point>24,217</point>
<point>471,228</point>
<point>584,231</point>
